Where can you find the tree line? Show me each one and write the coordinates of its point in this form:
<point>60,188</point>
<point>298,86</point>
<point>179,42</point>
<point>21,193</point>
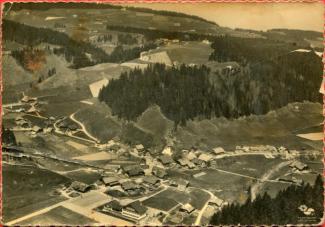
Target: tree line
<point>185,92</point>
<point>121,54</point>
<point>153,34</point>
<point>83,5</point>
<point>281,210</point>
<point>74,51</point>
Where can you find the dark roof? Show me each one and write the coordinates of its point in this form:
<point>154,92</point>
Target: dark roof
<point>159,172</point>
<point>110,180</point>
<point>137,207</point>
<point>165,159</point>
<point>129,185</point>
<point>115,205</point>
<point>133,170</point>
<point>79,186</point>
<point>151,179</point>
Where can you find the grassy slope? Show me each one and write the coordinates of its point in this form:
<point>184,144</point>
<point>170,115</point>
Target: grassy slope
<point>277,128</point>
<point>27,189</point>
<point>154,121</point>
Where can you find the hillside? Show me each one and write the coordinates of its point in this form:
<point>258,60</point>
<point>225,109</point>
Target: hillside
<point>278,127</point>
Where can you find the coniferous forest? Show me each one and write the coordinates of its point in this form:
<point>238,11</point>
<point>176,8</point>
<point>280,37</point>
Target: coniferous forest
<point>186,92</point>
<point>281,210</point>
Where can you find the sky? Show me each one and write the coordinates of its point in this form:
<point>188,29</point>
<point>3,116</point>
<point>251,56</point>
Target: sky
<point>257,16</point>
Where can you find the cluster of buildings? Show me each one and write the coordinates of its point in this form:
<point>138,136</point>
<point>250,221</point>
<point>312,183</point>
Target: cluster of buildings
<point>26,125</point>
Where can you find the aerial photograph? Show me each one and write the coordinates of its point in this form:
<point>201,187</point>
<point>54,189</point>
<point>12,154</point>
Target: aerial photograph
<point>162,114</point>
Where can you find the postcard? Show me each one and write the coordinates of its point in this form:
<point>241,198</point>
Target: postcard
<point>184,113</point>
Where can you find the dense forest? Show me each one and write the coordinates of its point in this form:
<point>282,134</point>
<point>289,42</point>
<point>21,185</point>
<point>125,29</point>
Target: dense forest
<point>74,51</point>
<point>186,92</point>
<point>121,54</point>
<point>281,210</point>
<point>245,50</point>
<point>182,93</point>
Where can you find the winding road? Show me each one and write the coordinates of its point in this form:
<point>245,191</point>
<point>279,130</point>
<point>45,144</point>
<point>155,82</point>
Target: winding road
<point>83,128</point>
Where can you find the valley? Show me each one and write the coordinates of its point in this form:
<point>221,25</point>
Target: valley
<point>121,116</point>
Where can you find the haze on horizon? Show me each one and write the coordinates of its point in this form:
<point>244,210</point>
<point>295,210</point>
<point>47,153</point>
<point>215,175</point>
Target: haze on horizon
<point>256,16</point>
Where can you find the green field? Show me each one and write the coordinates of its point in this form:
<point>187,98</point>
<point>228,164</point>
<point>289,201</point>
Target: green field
<point>60,216</point>
<point>27,189</point>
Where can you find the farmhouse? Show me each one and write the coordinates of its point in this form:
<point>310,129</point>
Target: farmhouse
<point>191,155</point>
<point>110,181</point>
<point>215,201</point>
<point>129,185</point>
<point>205,157</point>
<point>159,172</point>
<point>151,180</point>
<point>182,184</point>
<point>79,186</point>
<point>298,165</point>
<point>96,86</point>
<point>218,150</point>
<point>113,205</point>
<point>134,210</point>
<point>133,170</point>
<point>188,208</point>
<point>167,151</point>
<point>165,160</point>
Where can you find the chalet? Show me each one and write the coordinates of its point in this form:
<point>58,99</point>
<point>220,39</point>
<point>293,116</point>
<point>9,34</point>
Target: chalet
<point>298,166</point>
<point>113,205</point>
<point>215,201</point>
<point>110,181</point>
<point>165,159</point>
<point>79,186</point>
<point>190,165</point>
<point>151,180</point>
<point>205,157</point>
<point>133,170</point>
<point>167,151</point>
<point>134,210</point>
<point>218,150</point>
<point>139,147</point>
<point>182,162</point>
<point>129,185</point>
<point>36,129</point>
<point>191,155</point>
<point>188,208</point>
<point>182,184</point>
<point>159,172</point>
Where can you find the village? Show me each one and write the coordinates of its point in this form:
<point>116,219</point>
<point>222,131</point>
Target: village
<point>135,192</point>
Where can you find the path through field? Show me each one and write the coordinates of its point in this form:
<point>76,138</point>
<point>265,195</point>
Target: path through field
<point>257,187</point>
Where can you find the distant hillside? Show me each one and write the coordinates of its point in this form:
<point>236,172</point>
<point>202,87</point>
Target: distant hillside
<point>74,51</point>
<point>84,5</point>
